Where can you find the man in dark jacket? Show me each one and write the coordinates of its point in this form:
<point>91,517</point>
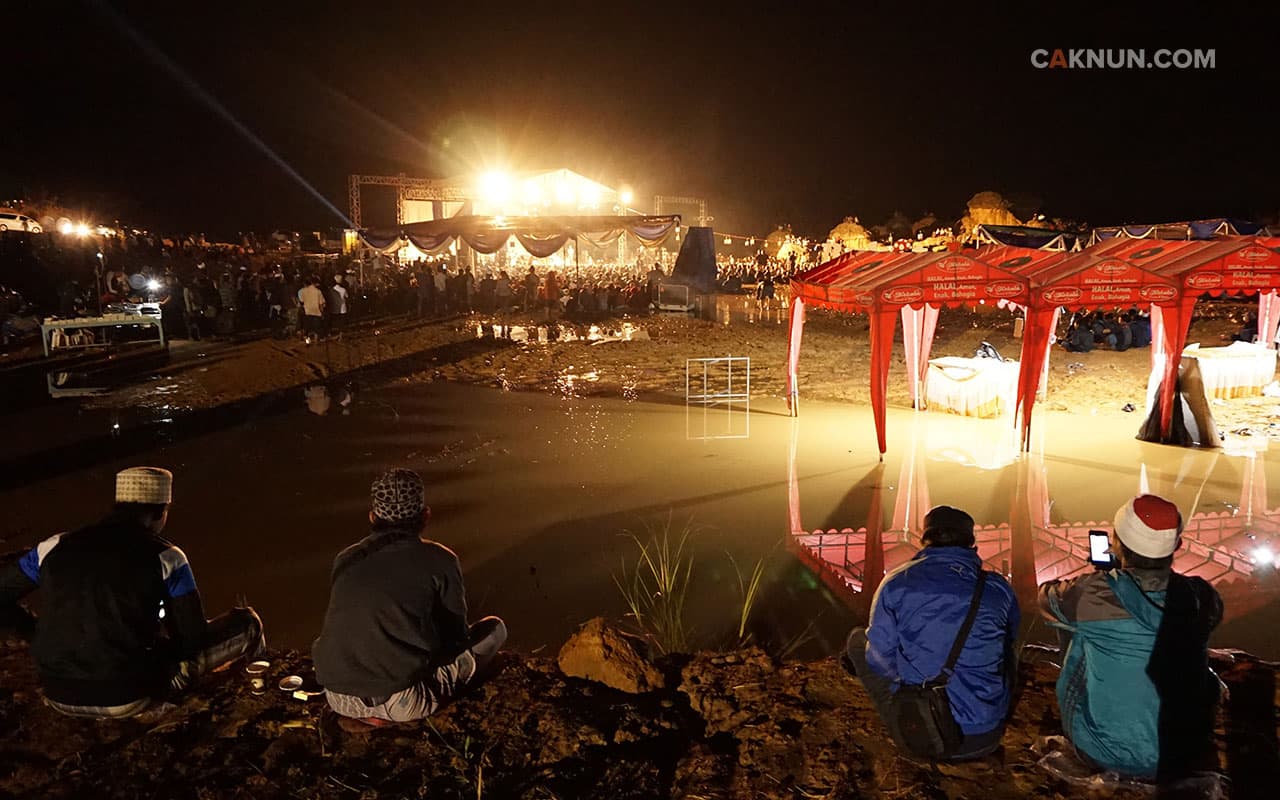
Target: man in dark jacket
<point>1136,692</point>
<point>396,642</point>
<point>121,622</point>
<point>915,617</point>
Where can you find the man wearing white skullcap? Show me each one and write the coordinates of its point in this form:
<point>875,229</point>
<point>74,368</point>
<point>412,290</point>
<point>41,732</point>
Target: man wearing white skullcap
<point>121,622</point>
<point>1136,692</point>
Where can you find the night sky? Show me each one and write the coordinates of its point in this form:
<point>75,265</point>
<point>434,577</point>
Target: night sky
<point>801,115</point>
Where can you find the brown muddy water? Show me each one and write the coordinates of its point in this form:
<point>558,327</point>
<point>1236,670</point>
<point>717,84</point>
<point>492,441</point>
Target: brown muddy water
<point>538,492</point>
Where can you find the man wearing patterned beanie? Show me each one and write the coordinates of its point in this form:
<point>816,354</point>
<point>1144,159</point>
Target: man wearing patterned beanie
<point>1136,692</point>
<point>121,623</point>
<point>395,642</point>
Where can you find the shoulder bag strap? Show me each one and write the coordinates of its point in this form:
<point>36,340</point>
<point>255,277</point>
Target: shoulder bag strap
<point>956,647</point>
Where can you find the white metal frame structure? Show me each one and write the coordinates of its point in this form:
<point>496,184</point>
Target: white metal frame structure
<point>661,201</point>
<point>731,398</point>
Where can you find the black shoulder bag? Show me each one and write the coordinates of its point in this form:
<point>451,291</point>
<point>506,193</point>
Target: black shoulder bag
<point>923,712</point>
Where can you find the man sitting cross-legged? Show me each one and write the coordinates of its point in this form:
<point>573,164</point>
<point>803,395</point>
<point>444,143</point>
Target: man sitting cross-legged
<point>395,642</point>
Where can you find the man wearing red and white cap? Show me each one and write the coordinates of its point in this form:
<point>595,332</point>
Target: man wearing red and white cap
<point>1136,692</point>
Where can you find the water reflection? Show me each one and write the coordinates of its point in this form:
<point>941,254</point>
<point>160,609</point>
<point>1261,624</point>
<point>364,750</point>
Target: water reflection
<point>564,332</point>
<point>319,398</point>
<point>1234,546</point>
<point>729,307</point>
<point>73,383</point>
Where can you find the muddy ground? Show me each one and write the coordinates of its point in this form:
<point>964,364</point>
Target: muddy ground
<point>834,360</point>
<point>729,725</point>
<point>735,725</point>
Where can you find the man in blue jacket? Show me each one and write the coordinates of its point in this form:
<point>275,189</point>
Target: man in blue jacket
<point>915,617</point>
<point>1136,692</point>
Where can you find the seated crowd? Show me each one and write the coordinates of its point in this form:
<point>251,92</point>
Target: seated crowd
<point>122,626</point>
<point>1108,329</point>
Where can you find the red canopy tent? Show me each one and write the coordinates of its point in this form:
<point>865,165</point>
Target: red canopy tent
<point>1169,275</point>
<point>1098,277</point>
<point>914,285</point>
<point>1235,266</point>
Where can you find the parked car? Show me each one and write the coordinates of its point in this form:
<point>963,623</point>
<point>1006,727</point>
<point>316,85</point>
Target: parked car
<point>13,221</point>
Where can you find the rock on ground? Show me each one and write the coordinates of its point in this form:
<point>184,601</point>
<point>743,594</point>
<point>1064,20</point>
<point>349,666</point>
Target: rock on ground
<point>602,653</point>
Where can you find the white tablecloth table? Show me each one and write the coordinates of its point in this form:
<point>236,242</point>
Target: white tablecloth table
<point>1239,370</point>
<point>50,326</point>
<point>973,387</point>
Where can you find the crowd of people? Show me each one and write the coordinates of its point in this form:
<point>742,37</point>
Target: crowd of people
<point>223,297</point>
<point>1113,330</point>
<point>203,289</point>
<point>122,626</point>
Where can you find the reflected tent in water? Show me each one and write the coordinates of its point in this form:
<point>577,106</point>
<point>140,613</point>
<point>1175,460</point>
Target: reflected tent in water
<point>1233,547</point>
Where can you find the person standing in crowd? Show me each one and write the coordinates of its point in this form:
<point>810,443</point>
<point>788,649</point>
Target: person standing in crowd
<point>655,282</point>
<point>467,290</point>
<point>441,280</point>
<point>424,286</point>
<point>502,291</point>
<point>1136,692</point>
<point>312,301</point>
<point>192,309</point>
<point>121,622</point>
<point>530,289</point>
<point>487,292</point>
<point>395,642</point>
<point>226,323</point>
<point>917,617</point>
<point>551,291</point>
<point>170,298</point>
<point>337,305</point>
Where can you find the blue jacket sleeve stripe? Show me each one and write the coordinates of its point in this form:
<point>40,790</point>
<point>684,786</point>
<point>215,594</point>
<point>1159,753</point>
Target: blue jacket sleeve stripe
<point>30,563</point>
<point>178,578</point>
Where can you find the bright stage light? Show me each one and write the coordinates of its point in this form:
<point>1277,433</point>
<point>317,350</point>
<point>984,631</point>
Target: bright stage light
<point>564,192</point>
<point>495,188</point>
<point>65,227</point>
<point>153,285</point>
<point>590,195</point>
<point>82,229</point>
<point>1263,555</point>
<point>626,196</point>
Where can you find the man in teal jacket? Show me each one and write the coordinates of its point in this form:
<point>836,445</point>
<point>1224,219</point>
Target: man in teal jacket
<point>1136,692</point>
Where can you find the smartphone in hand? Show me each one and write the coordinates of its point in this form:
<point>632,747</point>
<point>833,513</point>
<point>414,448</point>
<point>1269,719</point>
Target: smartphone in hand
<point>1100,554</point>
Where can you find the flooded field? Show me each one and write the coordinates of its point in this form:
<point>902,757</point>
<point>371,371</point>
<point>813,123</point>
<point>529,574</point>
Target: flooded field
<point>537,492</point>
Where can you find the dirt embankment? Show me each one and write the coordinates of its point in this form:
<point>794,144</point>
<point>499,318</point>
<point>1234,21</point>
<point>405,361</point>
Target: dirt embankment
<point>729,725</point>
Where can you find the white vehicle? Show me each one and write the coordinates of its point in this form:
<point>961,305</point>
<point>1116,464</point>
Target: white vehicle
<point>13,221</point>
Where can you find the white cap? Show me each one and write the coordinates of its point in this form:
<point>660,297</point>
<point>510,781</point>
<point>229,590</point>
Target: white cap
<point>150,485</point>
<point>1149,526</point>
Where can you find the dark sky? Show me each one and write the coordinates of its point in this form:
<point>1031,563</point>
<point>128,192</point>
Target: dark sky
<point>802,113</point>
